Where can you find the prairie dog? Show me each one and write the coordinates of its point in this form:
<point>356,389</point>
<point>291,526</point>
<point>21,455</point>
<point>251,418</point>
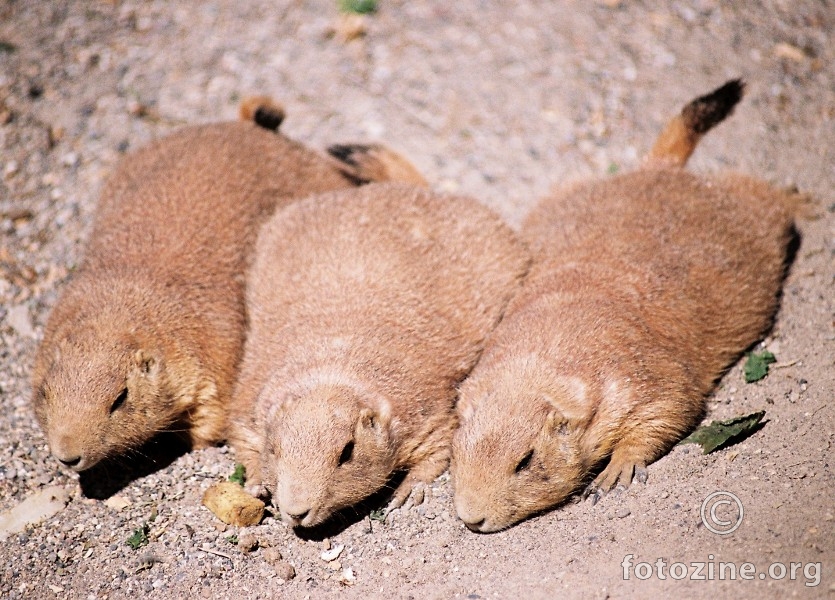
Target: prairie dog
<point>148,333</point>
<point>644,288</point>
<point>367,307</point>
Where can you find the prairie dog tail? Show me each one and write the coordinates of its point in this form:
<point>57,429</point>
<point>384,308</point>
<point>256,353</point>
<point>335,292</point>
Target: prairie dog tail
<point>680,137</point>
<point>368,163</point>
<point>263,111</point>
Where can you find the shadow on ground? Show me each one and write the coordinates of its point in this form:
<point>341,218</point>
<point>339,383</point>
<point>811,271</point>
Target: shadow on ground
<point>372,507</point>
<point>112,475</point>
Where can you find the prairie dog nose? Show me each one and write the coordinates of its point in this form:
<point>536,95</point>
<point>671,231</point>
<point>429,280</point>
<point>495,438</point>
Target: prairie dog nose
<point>294,517</point>
<point>66,450</point>
<point>298,517</point>
<point>471,516</point>
<point>473,523</point>
<point>69,462</point>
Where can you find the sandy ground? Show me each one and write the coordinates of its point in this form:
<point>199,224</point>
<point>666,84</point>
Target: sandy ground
<point>500,100</point>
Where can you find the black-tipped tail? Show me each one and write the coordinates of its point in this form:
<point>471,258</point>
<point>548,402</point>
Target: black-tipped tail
<point>347,152</point>
<point>267,118</point>
<point>263,111</point>
<point>706,111</point>
<point>366,163</point>
<point>680,137</point>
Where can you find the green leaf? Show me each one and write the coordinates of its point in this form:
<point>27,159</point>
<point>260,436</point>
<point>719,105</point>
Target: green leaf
<point>720,434</point>
<point>139,537</point>
<point>756,367</point>
<point>613,168</point>
<point>378,515</point>
<point>360,7</point>
<point>232,539</point>
<point>239,475</point>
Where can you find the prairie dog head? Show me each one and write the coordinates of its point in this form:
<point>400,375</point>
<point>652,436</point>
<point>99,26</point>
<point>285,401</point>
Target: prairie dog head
<point>518,450</point>
<point>103,386</point>
<point>327,448</point>
<point>99,398</point>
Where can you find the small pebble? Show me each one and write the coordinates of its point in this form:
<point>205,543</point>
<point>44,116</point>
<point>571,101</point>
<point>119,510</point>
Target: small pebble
<point>272,555</point>
<point>284,570</point>
<point>247,542</point>
<point>44,479</point>
<point>19,320</point>
<point>348,27</point>
<point>622,513</point>
<point>335,565</point>
<point>333,553</point>
<point>117,502</point>
<point>347,577</point>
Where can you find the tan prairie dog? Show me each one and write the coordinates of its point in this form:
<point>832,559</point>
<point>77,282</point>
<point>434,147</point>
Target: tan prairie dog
<point>148,333</point>
<point>644,288</point>
<point>367,307</point>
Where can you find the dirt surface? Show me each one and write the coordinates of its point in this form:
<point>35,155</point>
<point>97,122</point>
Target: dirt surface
<point>500,100</point>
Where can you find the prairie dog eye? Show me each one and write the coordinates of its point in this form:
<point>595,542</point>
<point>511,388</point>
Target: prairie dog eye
<point>120,400</point>
<point>347,453</point>
<point>525,462</point>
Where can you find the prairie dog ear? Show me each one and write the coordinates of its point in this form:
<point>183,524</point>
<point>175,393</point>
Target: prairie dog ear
<point>556,423</point>
<point>568,398</point>
<point>373,421</point>
<point>268,410</point>
<point>369,419</point>
<point>271,449</point>
<point>147,362</point>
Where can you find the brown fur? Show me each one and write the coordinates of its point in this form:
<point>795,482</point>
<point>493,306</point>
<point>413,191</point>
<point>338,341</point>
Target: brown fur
<point>367,308</point>
<point>644,288</point>
<point>157,307</point>
<point>373,162</point>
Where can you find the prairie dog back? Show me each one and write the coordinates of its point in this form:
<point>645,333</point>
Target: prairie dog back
<point>148,333</point>
<point>644,288</point>
<point>701,258</point>
<point>367,308</point>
